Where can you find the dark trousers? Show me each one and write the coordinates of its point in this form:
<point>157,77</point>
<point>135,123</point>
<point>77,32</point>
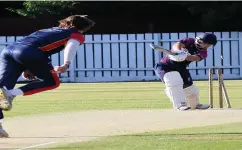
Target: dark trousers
<point>16,58</point>
<point>185,74</point>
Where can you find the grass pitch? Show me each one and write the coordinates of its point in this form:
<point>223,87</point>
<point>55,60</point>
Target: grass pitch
<point>103,96</point>
<point>219,137</point>
<point>146,95</point>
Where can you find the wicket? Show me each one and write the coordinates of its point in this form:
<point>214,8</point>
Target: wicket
<point>221,89</point>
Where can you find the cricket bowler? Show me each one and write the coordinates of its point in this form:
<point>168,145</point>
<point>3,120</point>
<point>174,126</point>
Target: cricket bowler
<point>30,57</point>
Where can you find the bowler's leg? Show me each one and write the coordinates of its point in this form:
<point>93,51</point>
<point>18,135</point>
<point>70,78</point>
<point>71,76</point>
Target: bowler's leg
<point>40,66</point>
<point>10,71</point>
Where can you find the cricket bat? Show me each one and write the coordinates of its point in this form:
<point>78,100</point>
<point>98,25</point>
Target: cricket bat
<point>161,49</point>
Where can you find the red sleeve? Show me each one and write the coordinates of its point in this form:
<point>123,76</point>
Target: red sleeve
<point>78,37</point>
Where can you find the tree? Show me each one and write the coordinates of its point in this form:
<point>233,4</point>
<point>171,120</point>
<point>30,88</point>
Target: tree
<point>215,13</point>
<point>44,8</point>
<point>200,15</point>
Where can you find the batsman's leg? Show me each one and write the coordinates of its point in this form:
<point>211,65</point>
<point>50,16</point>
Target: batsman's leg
<point>174,90</point>
<point>159,72</point>
<point>192,96</point>
<point>192,92</point>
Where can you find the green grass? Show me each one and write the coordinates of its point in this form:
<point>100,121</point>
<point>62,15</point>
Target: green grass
<point>103,96</point>
<point>143,95</point>
<point>217,137</point>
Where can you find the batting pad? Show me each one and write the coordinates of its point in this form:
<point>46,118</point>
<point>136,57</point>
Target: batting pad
<point>174,89</point>
<point>192,96</point>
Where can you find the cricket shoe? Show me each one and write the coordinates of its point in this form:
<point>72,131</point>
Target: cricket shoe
<point>202,106</point>
<point>6,99</point>
<point>184,108</point>
<point>3,133</point>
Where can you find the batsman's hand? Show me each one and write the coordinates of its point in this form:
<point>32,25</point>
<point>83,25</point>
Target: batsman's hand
<point>27,75</point>
<point>61,69</point>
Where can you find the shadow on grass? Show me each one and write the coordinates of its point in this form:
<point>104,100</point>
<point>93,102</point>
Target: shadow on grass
<point>170,138</point>
<point>185,134</point>
<point>135,135</point>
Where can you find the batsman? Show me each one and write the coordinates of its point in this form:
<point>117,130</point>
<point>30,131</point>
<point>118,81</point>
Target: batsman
<point>172,70</point>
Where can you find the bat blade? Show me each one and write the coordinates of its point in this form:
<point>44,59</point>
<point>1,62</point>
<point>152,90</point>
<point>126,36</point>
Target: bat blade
<point>161,49</point>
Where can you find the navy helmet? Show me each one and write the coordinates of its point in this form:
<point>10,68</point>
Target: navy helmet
<point>206,38</point>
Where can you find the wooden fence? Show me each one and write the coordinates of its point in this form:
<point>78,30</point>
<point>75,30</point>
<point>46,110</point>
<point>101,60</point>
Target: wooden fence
<point>128,57</point>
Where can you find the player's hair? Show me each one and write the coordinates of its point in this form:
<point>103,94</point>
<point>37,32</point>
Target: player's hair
<point>80,22</point>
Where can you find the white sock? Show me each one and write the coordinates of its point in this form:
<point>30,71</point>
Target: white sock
<point>16,92</point>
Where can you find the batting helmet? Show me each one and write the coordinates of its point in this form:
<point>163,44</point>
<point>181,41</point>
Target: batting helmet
<point>207,38</point>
